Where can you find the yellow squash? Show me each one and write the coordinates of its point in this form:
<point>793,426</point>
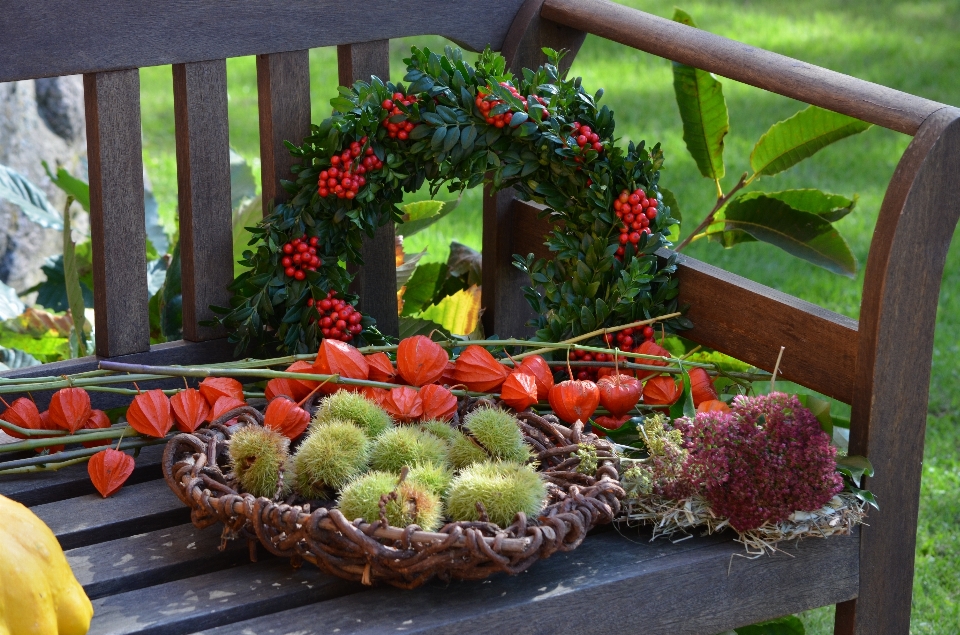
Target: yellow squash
<point>39,595</point>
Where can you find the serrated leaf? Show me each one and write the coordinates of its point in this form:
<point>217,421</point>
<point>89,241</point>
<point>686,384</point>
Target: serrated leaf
<point>703,112</point>
<point>419,215</point>
<point>801,234</point>
<point>457,313</point>
<point>792,140</point>
<point>31,200</point>
<point>830,207</point>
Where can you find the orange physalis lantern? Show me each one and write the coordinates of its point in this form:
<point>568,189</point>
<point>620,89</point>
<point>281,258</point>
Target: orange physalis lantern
<point>212,388</point>
<point>23,413</point>
<point>225,405</point>
<point>109,470</point>
<point>339,358</point>
<point>574,400</point>
<point>190,409</point>
<point>449,375</point>
<point>662,391</point>
<point>381,368</point>
<point>538,368</point>
<point>438,402</point>
<point>701,386</point>
<point>376,395</point>
<point>608,423</point>
<point>70,408</point>
<point>519,391</point>
<point>305,368</point>
<point>421,361</point>
<point>713,405</point>
<point>286,417</point>
<point>150,413</point>
<point>47,424</point>
<point>283,387</point>
<point>650,348</point>
<point>619,393</point>
<point>403,404</point>
<point>98,420</point>
<point>478,370</point>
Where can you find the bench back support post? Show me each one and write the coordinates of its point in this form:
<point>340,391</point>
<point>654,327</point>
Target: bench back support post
<point>203,185</point>
<point>117,228</point>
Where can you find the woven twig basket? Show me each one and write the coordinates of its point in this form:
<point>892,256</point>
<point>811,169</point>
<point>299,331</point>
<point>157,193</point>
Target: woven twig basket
<point>196,468</point>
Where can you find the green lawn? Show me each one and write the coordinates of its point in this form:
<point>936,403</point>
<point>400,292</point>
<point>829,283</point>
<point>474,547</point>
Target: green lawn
<point>911,46</point>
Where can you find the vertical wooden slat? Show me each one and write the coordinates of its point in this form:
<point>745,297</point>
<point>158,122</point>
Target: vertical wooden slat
<point>283,85</point>
<point>117,228</point>
<point>897,320</point>
<point>505,309</point>
<point>375,281</point>
<point>203,180</point>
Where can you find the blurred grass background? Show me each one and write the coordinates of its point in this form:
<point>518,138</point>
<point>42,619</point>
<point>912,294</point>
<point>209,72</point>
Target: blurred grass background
<point>911,46</point>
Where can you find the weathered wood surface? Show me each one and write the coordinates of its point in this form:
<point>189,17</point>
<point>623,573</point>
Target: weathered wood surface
<point>118,233</point>
<point>777,73</point>
<point>180,352</point>
<point>203,187</point>
<point>73,481</point>
<point>505,311</point>
<point>90,519</point>
<point>375,280</point>
<point>741,317</point>
<point>283,93</point>
<point>897,321</point>
<point>115,34</point>
<point>529,33</point>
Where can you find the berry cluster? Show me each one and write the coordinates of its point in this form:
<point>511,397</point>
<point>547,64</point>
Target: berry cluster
<point>636,211</point>
<point>486,102</point>
<point>338,320</point>
<point>401,129</point>
<point>630,339</point>
<point>586,138</point>
<point>586,372</point>
<point>345,176</point>
<point>300,256</point>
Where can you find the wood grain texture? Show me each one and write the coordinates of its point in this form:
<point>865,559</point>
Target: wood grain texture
<point>65,39</point>
<point>203,182</point>
<point>743,318</point>
<point>283,85</point>
<point>154,557</point>
<point>73,481</point>
<point>505,310</point>
<point>202,601</point>
<point>777,73</point>
<point>698,586</point>
<point>169,353</point>
<point>117,230</point>
<point>375,281</point>
<point>90,519</point>
<point>898,316</point>
<point>523,46</point>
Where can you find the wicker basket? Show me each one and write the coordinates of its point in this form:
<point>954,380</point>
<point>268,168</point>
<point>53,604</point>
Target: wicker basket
<point>196,468</point>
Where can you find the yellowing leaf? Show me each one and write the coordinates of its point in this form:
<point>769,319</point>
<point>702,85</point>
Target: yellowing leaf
<point>458,313</point>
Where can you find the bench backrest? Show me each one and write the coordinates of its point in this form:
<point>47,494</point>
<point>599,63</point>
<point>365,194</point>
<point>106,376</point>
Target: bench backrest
<point>880,365</point>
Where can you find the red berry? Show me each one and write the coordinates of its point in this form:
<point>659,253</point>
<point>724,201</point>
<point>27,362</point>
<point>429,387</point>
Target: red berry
<point>634,199</point>
<point>325,304</point>
<point>286,262</point>
<point>288,248</point>
<point>290,271</point>
<point>635,238</point>
<point>334,160</point>
<point>648,332</point>
<point>387,104</point>
<point>299,275</point>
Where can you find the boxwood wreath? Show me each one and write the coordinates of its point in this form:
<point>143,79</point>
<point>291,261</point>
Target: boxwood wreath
<point>461,126</point>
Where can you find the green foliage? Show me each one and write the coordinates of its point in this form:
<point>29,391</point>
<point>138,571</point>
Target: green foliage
<point>31,200</point>
<point>70,184</point>
<point>11,358</point>
<point>451,145</point>
<point>788,625</point>
<point>72,283</point>
<point>419,215</point>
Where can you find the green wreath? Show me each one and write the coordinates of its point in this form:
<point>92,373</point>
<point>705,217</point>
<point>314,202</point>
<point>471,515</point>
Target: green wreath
<point>462,126</point>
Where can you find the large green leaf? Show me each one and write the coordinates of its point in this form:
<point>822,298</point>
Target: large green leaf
<point>801,234</point>
<point>70,184</point>
<point>792,140</point>
<point>830,207</point>
<point>71,277</point>
<point>457,313</point>
<point>410,326</point>
<point>423,286</point>
<point>31,200</point>
<point>703,111</point>
<point>856,467</point>
<point>788,625</point>
<point>419,215</point>
<point>406,270</point>
<point>10,304</point>
<point>48,348</point>
<point>52,292</point>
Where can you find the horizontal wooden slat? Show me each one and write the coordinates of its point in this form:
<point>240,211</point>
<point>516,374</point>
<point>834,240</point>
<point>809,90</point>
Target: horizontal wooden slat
<point>58,39</point>
<point>90,519</point>
<point>170,353</point>
<point>152,558</point>
<point>777,73</point>
<point>744,319</point>
<point>48,487</point>
<point>215,598</point>
<point>697,587</point>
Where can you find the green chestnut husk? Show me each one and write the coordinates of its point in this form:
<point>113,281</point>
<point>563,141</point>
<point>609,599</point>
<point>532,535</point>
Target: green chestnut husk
<point>436,478</point>
<point>351,406</point>
<point>258,456</point>
<point>495,435</point>
<point>503,488</point>
<point>330,456</point>
<point>415,504</point>
<point>440,429</point>
<point>406,446</point>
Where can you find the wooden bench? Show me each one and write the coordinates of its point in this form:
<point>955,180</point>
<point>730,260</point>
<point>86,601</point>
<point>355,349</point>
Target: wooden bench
<point>150,571</point>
